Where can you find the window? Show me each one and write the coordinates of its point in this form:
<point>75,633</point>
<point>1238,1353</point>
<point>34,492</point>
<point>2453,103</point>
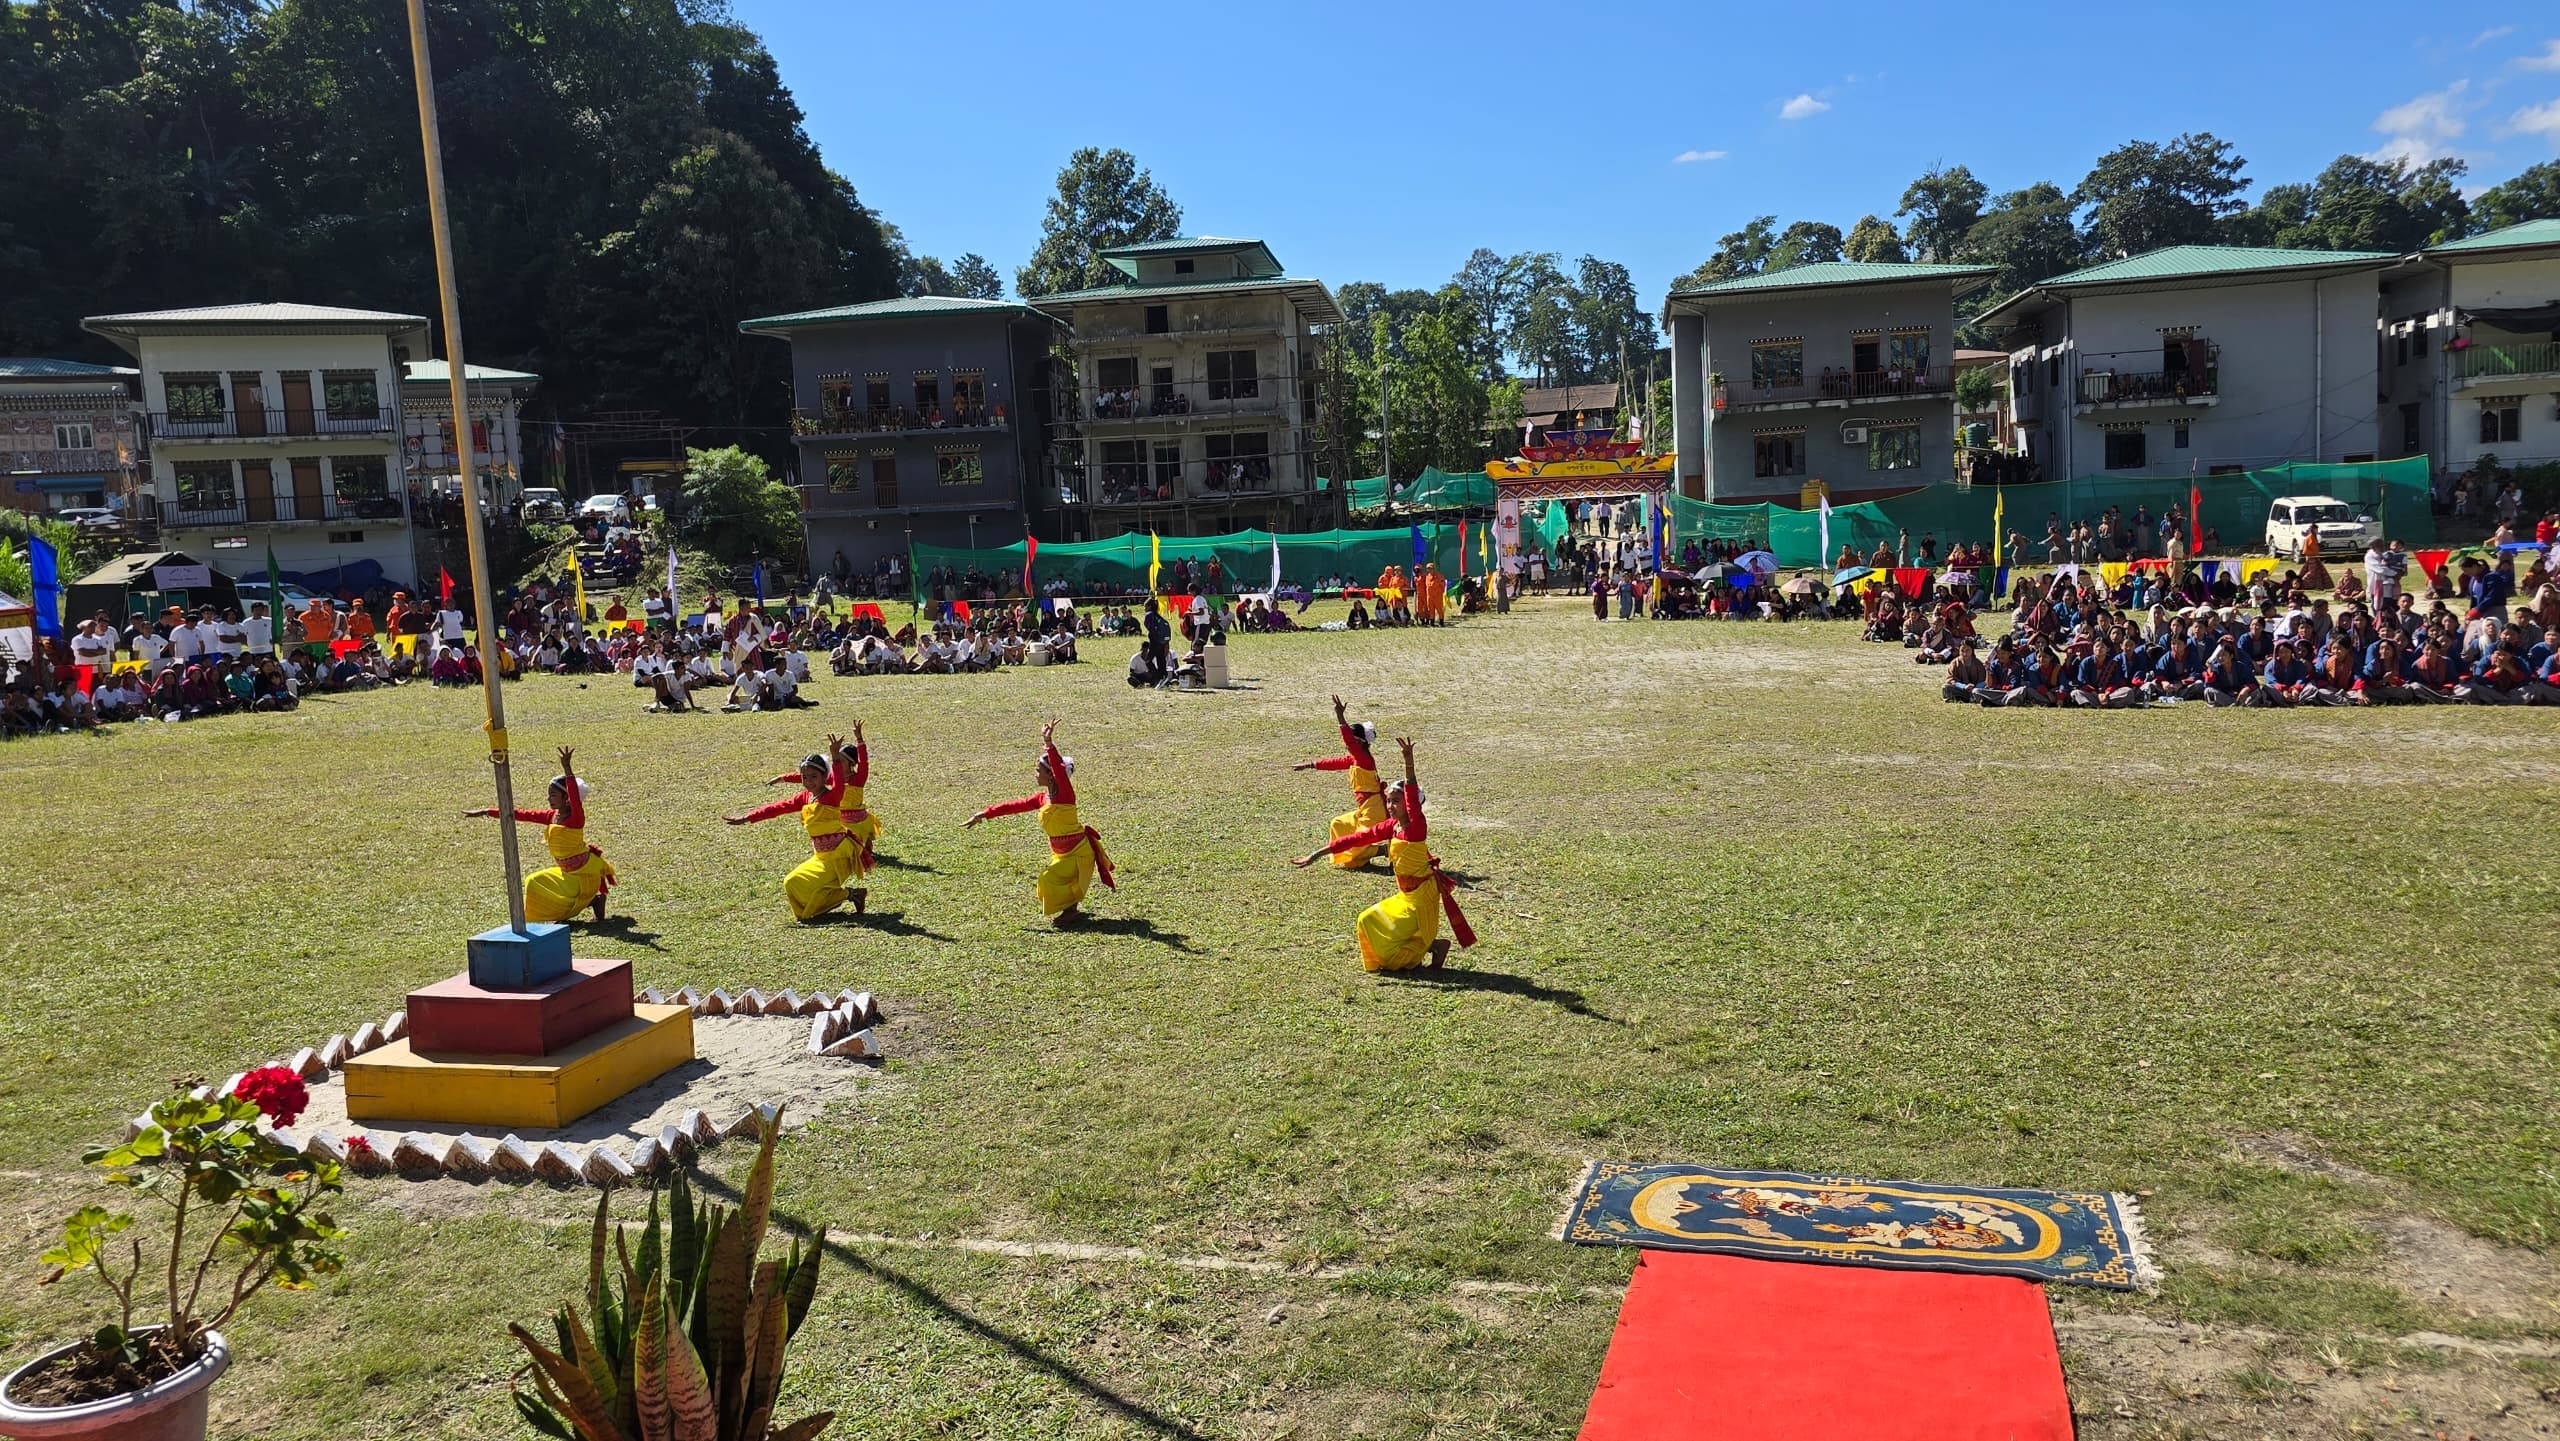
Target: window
<point>875,394</point>
<point>2127,450</point>
<point>1239,460</point>
<point>1893,447</point>
<point>1907,352</point>
<point>835,402</point>
<point>1168,468</point>
<point>346,537</point>
<point>2400,350</point>
<point>1185,267</point>
<point>928,392</point>
<point>1119,372</point>
<point>2409,431</point>
<point>76,435</point>
<point>968,395</point>
<point>1158,320</point>
<point>194,397</point>
<point>884,480</point>
<point>1778,452</point>
<point>2418,344</point>
<point>351,395</point>
<point>1778,365</point>
<point>356,479</point>
<point>2226,470</point>
<point>1231,375</point>
<point>205,485</point>
<point>2178,435</point>
<point>844,472</point>
<point>1123,472</point>
<point>2500,424</point>
<point>2052,371</point>
<point>958,467</point>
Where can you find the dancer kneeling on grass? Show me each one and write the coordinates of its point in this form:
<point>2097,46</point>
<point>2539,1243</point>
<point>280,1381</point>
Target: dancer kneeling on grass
<point>1368,801</point>
<point>1075,849</point>
<point>1403,931</point>
<point>839,827</point>
<point>579,874</point>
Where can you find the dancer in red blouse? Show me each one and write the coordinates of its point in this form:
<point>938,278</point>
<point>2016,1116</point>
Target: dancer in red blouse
<point>1403,930</point>
<point>1368,800</point>
<point>839,827</point>
<point>578,875</point>
<point>1075,849</point>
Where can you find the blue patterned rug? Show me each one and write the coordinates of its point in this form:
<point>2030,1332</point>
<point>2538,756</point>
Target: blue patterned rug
<point>2089,1239</point>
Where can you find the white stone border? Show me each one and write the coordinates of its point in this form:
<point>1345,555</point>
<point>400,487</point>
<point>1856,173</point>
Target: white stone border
<point>842,1025</point>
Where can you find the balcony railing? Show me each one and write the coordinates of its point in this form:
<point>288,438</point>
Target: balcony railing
<point>1178,399</point>
<point>2490,362</point>
<point>269,425</point>
<point>895,419</point>
<point>1840,384</point>
<point>1147,484</point>
<point>283,510</point>
<point>2118,386</point>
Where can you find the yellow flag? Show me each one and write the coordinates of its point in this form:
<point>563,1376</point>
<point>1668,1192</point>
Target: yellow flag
<point>578,579</point>
<point>1155,563</point>
<point>1999,534</point>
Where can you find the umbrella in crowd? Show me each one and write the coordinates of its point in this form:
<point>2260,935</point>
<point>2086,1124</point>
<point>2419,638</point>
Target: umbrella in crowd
<point>1801,585</point>
<point>1759,561</point>
<point>1850,576</point>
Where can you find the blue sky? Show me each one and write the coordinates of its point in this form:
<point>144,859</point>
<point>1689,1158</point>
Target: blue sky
<point>1384,141</point>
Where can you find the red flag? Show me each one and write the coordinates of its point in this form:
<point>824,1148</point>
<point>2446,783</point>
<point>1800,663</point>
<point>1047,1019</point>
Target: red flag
<point>1462,547</point>
<point>2195,519</point>
<point>88,678</point>
<point>960,608</point>
<point>444,587</point>
<point>1030,553</point>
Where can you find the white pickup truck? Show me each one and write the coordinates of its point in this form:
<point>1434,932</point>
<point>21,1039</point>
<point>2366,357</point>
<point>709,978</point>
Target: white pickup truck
<point>2344,530</point>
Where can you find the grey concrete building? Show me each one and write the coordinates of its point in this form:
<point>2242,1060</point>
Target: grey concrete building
<point>2199,359</point>
<point>916,420</point>
<point>1838,371</point>
<point>1201,394</point>
<point>2471,350</point>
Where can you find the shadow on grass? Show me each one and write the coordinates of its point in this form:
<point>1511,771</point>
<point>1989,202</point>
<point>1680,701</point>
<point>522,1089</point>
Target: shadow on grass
<point>1502,982</point>
<point>1140,927</point>
<point>888,923</point>
<point>895,864</point>
<point>625,928</point>
<point>926,1296</point>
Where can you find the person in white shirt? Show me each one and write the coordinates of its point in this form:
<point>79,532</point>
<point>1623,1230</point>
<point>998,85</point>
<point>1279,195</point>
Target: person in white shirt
<point>795,663</point>
<point>186,643</point>
<point>230,636</point>
<point>258,632</point>
<point>94,646</point>
<point>148,647</point>
<point>449,625</point>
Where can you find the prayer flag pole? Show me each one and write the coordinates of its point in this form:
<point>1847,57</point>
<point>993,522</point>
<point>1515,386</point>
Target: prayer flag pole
<point>475,545</point>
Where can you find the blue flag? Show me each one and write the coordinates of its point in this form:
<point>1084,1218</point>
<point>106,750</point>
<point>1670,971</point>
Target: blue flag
<point>1654,509</point>
<point>1421,550</point>
<point>45,570</point>
<point>759,582</point>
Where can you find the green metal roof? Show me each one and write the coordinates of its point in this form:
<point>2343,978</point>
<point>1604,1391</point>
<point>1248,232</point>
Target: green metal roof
<point>911,307</point>
<point>37,368</point>
<point>1259,262</point>
<point>435,372</point>
<point>2522,233</point>
<point>1311,294</point>
<point>2192,262</point>
<point>1836,272</point>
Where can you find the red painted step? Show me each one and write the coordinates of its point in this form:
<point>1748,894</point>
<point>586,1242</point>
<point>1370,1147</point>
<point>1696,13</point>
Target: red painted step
<point>454,1016</point>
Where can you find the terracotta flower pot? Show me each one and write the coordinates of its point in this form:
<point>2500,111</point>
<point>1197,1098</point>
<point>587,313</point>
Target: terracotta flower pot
<point>169,1410</point>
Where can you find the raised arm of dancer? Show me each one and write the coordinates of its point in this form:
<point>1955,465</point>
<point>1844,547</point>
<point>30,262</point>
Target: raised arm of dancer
<point>1062,787</point>
<point>789,806</point>
<point>531,817</point>
<point>861,758</point>
<point>1377,835</point>
<point>573,806</point>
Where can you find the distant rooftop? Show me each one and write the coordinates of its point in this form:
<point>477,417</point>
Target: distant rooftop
<point>914,307</point>
<point>436,372</point>
<point>1822,274</point>
<point>1310,295</point>
<point>2188,262</point>
<point>255,315</point>
<point>37,368</point>
<point>1254,259</point>
<point>2522,233</point>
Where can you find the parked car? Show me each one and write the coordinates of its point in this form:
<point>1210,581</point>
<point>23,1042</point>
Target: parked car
<point>542,502</point>
<point>295,597</point>
<point>2344,530</point>
<point>88,515</point>
<point>609,508</point>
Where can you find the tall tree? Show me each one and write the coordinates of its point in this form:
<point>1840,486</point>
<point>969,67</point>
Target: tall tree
<point>976,278</point>
<point>1541,326</point>
<point>1492,285</point>
<point>1943,205</point>
<point>2029,234</point>
<point>1872,239</point>
<point>1104,199</point>
<point>1743,252</point>
<point>2531,194</point>
<point>1805,243</point>
<point>1610,320</point>
<point>2143,195</point>
<point>2362,204</point>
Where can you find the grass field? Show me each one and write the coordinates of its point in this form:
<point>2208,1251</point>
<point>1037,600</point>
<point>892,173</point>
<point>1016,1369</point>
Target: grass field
<point>1750,895</point>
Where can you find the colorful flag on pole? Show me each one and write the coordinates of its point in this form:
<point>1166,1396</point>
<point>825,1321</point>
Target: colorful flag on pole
<point>275,598</point>
<point>44,573</point>
<point>578,583</point>
<point>1462,547</point>
<point>1155,566</point>
<point>1030,553</point>
<point>1825,499</point>
<point>1999,531</point>
<point>2195,517</point>
<point>1275,567</point>
<point>675,607</point>
<point>1421,550</point>
<point>444,580</point>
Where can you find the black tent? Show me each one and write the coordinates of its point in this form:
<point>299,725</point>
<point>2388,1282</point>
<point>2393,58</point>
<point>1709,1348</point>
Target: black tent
<point>147,583</point>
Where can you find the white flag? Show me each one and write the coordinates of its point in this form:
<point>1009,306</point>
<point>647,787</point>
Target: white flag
<point>1275,566</point>
<point>1826,529</point>
<point>672,605</point>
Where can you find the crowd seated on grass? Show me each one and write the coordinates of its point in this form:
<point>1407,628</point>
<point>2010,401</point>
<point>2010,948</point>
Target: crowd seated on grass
<point>2076,643</point>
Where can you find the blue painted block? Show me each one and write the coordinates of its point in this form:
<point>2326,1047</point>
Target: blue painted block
<point>507,960</point>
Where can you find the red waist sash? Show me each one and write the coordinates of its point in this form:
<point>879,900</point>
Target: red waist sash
<point>1458,927</point>
<point>1066,845</point>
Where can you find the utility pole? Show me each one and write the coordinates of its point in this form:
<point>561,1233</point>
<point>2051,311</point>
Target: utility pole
<point>1386,436</point>
<point>476,545</point>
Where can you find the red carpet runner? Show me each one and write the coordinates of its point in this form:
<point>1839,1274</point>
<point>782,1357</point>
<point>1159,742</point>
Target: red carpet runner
<point>1724,1348</point>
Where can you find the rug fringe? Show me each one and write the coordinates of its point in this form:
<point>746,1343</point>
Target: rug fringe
<point>1572,1193</point>
<point>2137,1245</point>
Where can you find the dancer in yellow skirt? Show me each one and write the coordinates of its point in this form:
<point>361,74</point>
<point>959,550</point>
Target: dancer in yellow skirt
<point>839,825</point>
<point>578,875</point>
<point>1368,798</point>
<point>1075,849</point>
<point>1403,931</point>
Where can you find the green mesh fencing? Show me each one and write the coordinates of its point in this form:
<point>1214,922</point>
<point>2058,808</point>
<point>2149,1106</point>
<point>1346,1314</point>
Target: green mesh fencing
<point>1370,493</point>
<point>1119,566</point>
<point>1440,490</point>
<point>2234,510</point>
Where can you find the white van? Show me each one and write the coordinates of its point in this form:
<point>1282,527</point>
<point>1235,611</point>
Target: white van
<point>2344,530</point>
<point>542,502</point>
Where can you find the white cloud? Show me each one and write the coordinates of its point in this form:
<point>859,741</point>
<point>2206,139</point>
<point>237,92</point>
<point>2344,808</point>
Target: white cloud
<point>2422,129</point>
<point>2542,120</point>
<point>1801,107</point>
<point>1691,157</point>
<point>2549,59</point>
<point>2494,32</point>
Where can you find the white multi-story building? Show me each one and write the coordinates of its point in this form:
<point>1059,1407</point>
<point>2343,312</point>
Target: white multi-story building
<point>1200,394</point>
<point>496,398</point>
<point>278,426</point>
<point>69,437</point>
<point>2471,350</point>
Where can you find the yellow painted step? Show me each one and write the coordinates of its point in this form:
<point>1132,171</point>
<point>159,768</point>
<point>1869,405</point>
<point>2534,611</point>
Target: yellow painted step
<point>395,1083</point>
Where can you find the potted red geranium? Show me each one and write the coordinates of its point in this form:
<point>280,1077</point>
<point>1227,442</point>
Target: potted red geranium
<point>241,1218</point>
